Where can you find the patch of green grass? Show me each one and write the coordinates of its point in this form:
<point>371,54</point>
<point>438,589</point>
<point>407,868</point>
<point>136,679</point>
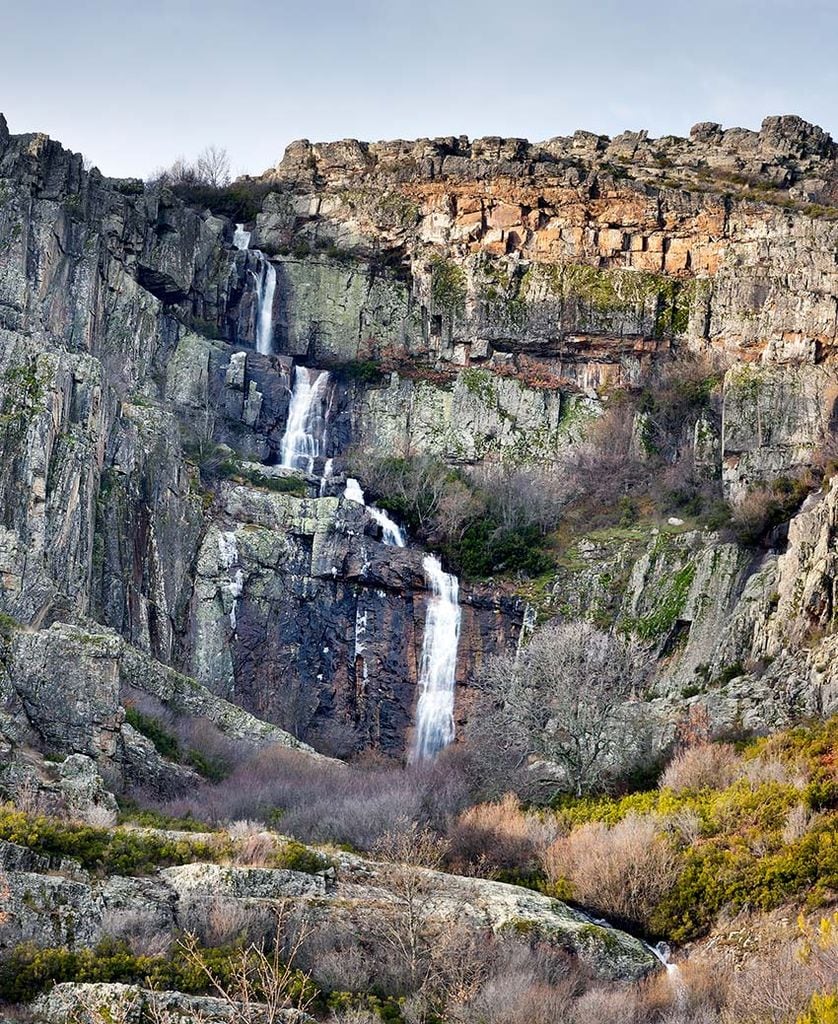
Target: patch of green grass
<point>660,621</point>
<point>104,851</point>
<point>8,626</point>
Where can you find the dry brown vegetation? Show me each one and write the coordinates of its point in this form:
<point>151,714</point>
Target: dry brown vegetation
<point>622,872</point>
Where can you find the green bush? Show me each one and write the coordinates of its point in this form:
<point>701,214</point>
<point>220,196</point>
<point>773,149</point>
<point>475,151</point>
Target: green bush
<point>233,470</point>
<point>296,857</point>
<point>364,371</point>
<point>164,742</point>
<point>241,201</point>
<point>741,856</point>
<point>116,851</point>
<point>27,971</point>
<point>486,549</point>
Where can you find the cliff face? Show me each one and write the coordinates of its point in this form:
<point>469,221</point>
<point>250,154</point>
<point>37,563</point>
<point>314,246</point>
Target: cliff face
<point>500,289</point>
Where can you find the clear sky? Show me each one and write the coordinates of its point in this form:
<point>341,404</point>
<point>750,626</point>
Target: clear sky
<point>135,83</point>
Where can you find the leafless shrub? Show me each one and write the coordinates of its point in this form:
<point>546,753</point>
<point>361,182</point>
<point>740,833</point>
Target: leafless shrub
<point>622,871</point>
<point>324,803</point>
<point>212,169</point>
<point>519,999</point>
<point>29,797</point>
<point>144,932</point>
<point>799,821</point>
<point>256,850</point>
<point>685,824</point>
<point>99,816</point>
<point>772,988</point>
<point>565,700</point>
<point>224,920</point>
<point>354,1016</point>
<point>702,766</point>
<point>495,837</point>
<point>336,957</point>
<point>410,845</point>
<point>522,496</point>
<point>213,166</point>
<point>262,981</point>
<point>244,828</point>
<point>770,768</point>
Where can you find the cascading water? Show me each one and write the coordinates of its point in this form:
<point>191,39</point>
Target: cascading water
<point>265,289</point>
<point>438,667</point>
<point>673,971</point>
<point>305,432</point>
<point>326,478</point>
<point>391,533</point>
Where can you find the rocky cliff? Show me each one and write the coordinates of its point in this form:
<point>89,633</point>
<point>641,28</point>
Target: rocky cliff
<point>477,301</point>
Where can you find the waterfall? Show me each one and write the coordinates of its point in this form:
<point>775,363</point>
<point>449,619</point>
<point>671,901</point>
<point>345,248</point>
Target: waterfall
<point>241,238</point>
<point>265,289</point>
<point>673,971</point>
<point>305,432</point>
<point>353,492</point>
<point>266,286</point>
<point>326,478</point>
<point>391,533</point>
<point>438,667</point>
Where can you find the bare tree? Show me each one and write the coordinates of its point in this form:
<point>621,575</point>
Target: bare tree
<point>181,172</point>
<point>406,929</point>
<point>262,982</point>
<point>565,699</point>
<point>213,167</point>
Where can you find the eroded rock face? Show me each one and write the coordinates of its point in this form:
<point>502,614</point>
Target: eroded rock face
<point>474,301</point>
<point>306,618</point>
<point>65,690</point>
<point>89,1003</point>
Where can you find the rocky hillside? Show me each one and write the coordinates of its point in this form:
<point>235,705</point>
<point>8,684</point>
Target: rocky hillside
<point>475,302</point>
<point>633,339</point>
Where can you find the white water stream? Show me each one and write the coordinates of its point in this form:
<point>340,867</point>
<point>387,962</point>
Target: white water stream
<point>228,556</point>
<point>265,291</point>
<point>438,667</point>
<point>305,433</point>
<point>266,287</point>
<point>241,238</point>
<point>391,533</point>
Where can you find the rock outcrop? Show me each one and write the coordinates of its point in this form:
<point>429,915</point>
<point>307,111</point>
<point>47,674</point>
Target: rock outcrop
<point>79,910</point>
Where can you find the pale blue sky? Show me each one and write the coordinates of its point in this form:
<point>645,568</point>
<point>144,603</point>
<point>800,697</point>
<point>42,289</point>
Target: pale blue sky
<point>135,84</point>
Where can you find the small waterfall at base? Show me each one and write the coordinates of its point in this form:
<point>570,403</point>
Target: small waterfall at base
<point>438,667</point>
<point>305,432</point>
<point>326,478</point>
<point>391,533</point>
<point>673,971</point>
